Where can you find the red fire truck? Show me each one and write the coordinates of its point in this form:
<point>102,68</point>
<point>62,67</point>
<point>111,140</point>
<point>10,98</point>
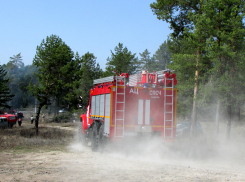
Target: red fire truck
<point>124,105</point>
<point>11,119</point>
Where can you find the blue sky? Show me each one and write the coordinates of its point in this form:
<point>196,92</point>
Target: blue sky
<point>94,26</point>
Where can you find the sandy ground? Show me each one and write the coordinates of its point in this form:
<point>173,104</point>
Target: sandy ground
<point>150,161</point>
<point>84,165</point>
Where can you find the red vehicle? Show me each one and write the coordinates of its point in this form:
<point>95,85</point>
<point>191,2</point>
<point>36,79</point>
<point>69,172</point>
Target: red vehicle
<point>11,119</point>
<point>117,108</point>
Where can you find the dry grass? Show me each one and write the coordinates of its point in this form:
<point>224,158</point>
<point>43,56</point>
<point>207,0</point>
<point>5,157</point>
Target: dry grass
<point>70,124</point>
<point>20,138</point>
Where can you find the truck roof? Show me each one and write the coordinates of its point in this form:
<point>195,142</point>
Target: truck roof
<point>4,115</point>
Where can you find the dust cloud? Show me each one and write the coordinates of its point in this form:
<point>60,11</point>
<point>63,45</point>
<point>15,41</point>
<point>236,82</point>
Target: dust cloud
<point>208,151</point>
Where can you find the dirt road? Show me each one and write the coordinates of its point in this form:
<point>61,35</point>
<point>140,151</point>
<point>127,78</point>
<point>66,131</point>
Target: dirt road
<point>79,163</point>
<point>148,161</point>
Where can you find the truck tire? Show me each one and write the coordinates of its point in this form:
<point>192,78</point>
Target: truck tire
<point>101,138</point>
<point>94,137</point>
<point>81,135</point>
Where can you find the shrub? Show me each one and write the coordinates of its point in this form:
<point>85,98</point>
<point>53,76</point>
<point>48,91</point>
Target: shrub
<point>62,118</point>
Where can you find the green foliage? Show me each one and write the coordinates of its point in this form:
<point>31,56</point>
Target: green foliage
<point>57,70</point>
<point>5,95</point>
<point>17,60</point>
<point>146,62</point>
<point>89,71</point>
<point>224,49</point>
<point>208,37</point>
<point>176,13</point>
<point>122,60</point>
<point>159,61</point>
<point>62,118</point>
<point>162,56</point>
<point>19,78</point>
<point>185,70</point>
<point>57,73</point>
<point>26,99</point>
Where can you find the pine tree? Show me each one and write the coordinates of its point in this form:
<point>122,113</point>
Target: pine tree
<point>90,71</point>
<point>19,78</point>
<point>17,60</point>
<point>186,46</point>
<point>123,61</point>
<point>163,56</point>
<point>57,72</point>
<point>145,62</point>
<point>5,95</point>
<point>224,49</point>
<point>207,40</point>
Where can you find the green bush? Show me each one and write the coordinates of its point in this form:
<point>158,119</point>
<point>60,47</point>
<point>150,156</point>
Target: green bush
<point>62,118</point>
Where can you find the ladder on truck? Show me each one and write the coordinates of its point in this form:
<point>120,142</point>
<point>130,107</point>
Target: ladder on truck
<point>119,122</point>
<point>169,112</point>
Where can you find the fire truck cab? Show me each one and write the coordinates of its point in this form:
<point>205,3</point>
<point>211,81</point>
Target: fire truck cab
<point>126,105</point>
<point>11,119</point>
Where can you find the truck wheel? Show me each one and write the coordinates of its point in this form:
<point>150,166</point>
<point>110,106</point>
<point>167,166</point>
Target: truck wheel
<point>94,138</point>
<point>101,138</point>
<point>81,135</point>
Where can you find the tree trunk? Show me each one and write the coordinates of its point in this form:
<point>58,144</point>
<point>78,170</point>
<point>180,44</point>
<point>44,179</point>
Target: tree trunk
<point>230,101</point>
<point>239,113</point>
<point>55,106</point>
<point>37,115</point>
<point>228,131</point>
<point>230,98</point>
<point>217,118</point>
<point>194,111</point>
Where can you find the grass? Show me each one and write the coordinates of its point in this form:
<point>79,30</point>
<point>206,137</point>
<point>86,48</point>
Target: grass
<point>70,124</point>
<point>24,139</point>
<point>37,149</point>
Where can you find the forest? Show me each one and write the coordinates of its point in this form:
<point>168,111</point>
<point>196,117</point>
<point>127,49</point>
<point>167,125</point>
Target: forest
<point>205,48</point>
<point>21,79</point>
